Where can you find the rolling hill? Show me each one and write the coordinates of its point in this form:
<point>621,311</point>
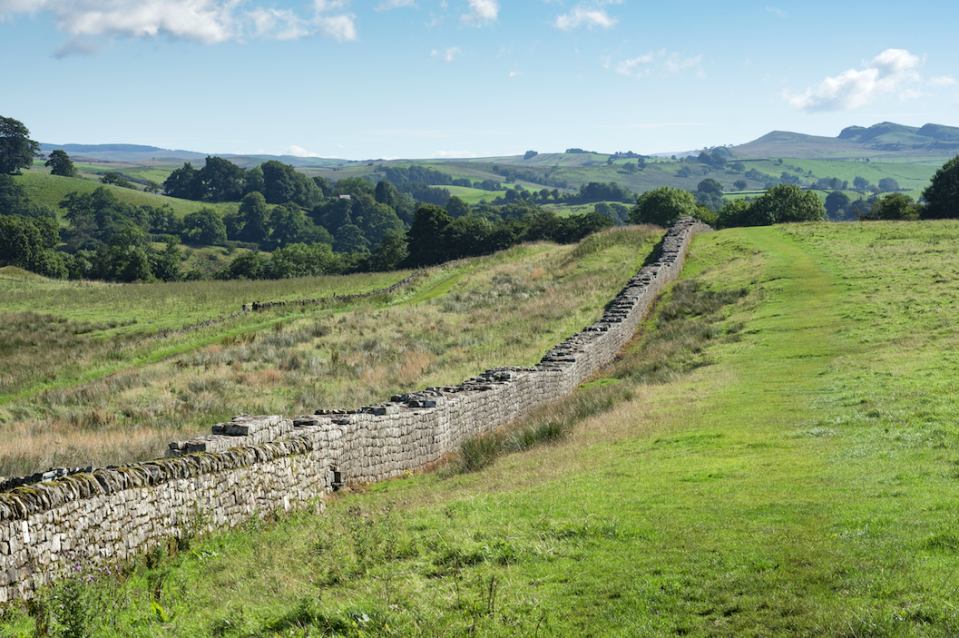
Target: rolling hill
<point>886,140</point>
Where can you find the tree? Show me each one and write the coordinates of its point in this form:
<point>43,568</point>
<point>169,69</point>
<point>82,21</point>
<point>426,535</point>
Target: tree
<point>60,164</point>
<point>278,182</point>
<point>740,184</point>
<point>788,203</point>
<point>13,197</point>
<point>152,187</point>
<point>288,225</point>
<point>378,220</point>
<point>663,206</point>
<point>860,183</point>
<point>115,179</point>
<point>735,214</point>
<point>204,227</point>
<point>17,150</point>
<point>220,180</point>
<point>390,252</point>
<point>302,260</point>
<point>180,183</point>
<point>28,243</point>
<point>942,194</point>
<point>426,236</point>
<point>350,239</point>
<point>709,193</point>
<point>456,207</point>
<point>96,217</point>
<point>894,206</point>
<point>248,265</point>
<point>323,185</point>
<point>888,185</point>
<point>254,215</point>
<point>530,155</point>
<point>836,201</point>
<point>355,186</point>
<point>166,265</point>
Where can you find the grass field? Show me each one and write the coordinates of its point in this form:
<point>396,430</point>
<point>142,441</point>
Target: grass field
<point>49,190</point>
<point>790,473</point>
<point>79,383</point>
<point>913,175</point>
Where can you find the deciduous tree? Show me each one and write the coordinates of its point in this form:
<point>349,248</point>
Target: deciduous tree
<point>17,150</point>
<point>60,164</point>
<point>663,206</point>
<point>942,194</point>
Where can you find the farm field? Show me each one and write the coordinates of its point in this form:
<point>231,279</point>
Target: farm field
<point>775,455</point>
<point>912,174</point>
<point>49,190</point>
<point>82,381</point>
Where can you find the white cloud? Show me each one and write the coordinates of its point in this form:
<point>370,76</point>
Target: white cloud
<point>778,12</point>
<point>453,155</point>
<point>341,27</point>
<point>204,21</point>
<point>587,14</point>
<point>889,72</point>
<point>481,12</point>
<point>627,67</point>
<point>942,80</point>
<point>514,74</point>
<point>644,65</point>
<point>676,65</point>
<point>386,5</point>
<point>299,151</point>
<point>446,54</point>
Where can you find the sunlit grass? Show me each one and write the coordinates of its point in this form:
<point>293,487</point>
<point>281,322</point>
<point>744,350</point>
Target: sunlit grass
<point>455,322</point>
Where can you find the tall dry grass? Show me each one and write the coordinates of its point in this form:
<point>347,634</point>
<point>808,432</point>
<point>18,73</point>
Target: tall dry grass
<point>505,310</point>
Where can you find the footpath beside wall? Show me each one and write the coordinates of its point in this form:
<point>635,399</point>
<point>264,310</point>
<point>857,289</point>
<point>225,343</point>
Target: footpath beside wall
<point>253,466</point>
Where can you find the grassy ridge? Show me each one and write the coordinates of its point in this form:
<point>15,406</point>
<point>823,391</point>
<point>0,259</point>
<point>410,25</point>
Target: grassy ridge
<point>49,190</point>
<point>798,480</point>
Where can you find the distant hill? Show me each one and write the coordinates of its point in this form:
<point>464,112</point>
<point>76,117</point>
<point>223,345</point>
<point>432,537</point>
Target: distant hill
<point>879,140</point>
<point>133,153</point>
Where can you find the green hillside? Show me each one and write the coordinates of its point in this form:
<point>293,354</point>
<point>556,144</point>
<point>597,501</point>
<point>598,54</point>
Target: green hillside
<point>49,190</point>
<point>884,140</point>
<point>63,342</point>
<point>779,461</point>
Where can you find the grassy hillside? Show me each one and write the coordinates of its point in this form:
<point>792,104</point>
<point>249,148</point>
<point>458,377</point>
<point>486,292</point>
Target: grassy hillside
<point>75,367</point>
<point>884,140</point>
<point>49,190</point>
<point>794,476</point>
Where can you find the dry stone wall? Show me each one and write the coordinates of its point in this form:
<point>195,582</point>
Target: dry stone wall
<point>255,465</point>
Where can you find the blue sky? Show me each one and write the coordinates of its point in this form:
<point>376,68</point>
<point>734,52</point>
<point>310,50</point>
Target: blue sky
<point>365,79</point>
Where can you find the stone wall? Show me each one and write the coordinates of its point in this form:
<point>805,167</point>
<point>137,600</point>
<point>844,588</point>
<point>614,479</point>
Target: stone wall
<point>253,466</point>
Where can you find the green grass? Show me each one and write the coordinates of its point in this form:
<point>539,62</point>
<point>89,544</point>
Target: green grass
<point>474,195</point>
<point>49,190</point>
<point>912,176</point>
<point>82,382</point>
<point>798,478</point>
